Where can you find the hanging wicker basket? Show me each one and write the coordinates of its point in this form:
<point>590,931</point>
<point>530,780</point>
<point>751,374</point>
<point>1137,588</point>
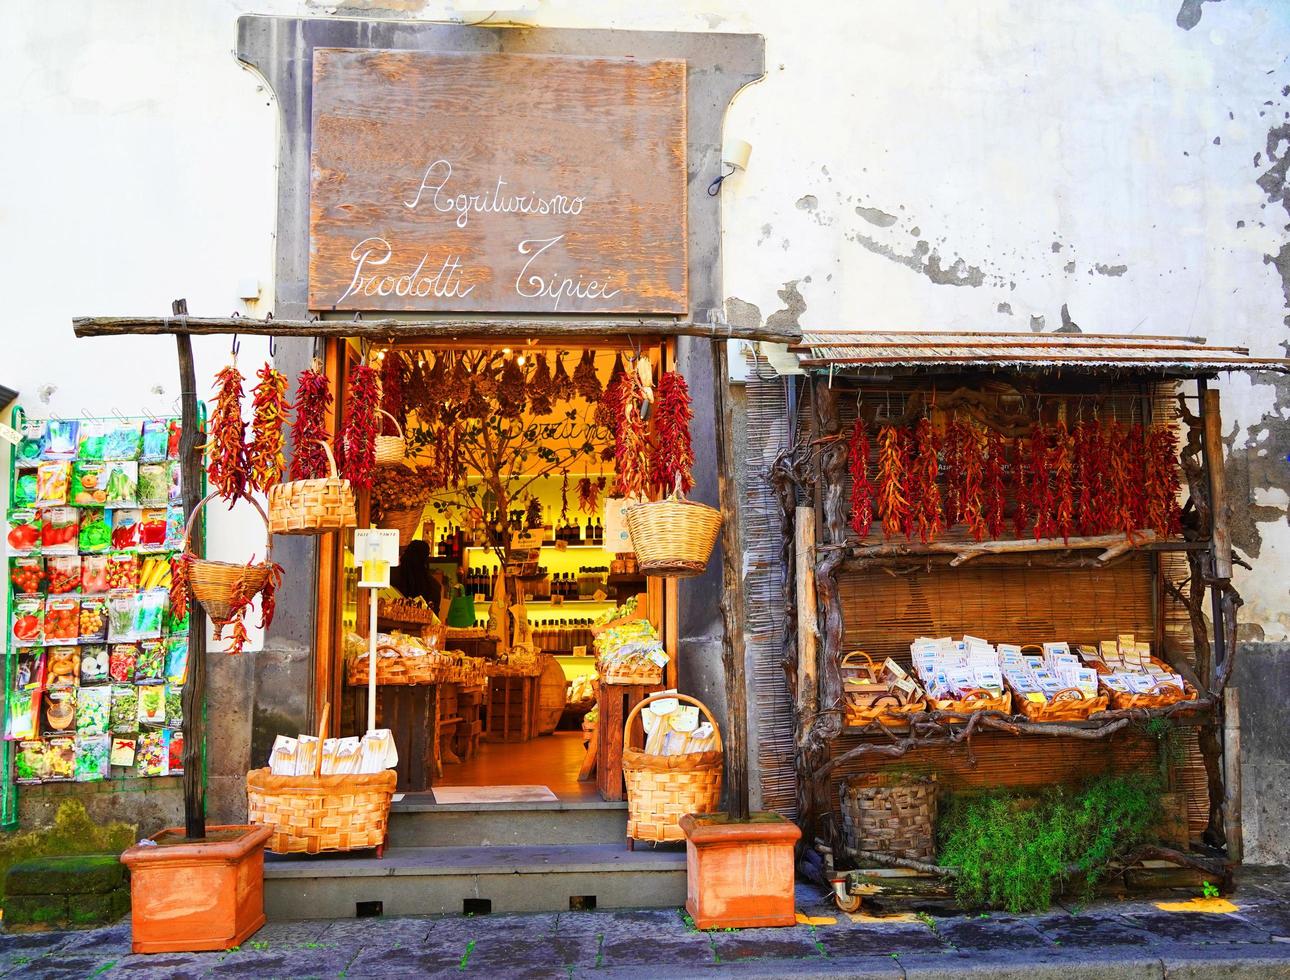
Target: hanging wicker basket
<point>312,814</point>
<point>312,506</point>
<point>212,583</point>
<point>673,537</point>
<point>663,788</point>
<point>405,520</point>
<point>390,450</point>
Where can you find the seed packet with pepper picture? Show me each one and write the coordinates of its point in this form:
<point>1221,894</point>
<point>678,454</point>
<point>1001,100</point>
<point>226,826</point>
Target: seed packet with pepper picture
<point>122,658</point>
<point>150,668</point>
<point>96,532</point>
<point>175,753</point>
<point>64,574</point>
<point>123,572</point>
<point>122,752</point>
<point>94,574</point>
<point>61,756</point>
<point>126,523</point>
<point>24,532</point>
<point>28,621</point>
<point>155,438</point>
<point>29,671</point>
<point>59,530</point>
<point>92,755</point>
<point>53,483</point>
<point>30,764</point>
<point>62,666</point>
<point>124,441</point>
<point>27,575</point>
<point>62,619</point>
<point>94,664</point>
<point>174,430</point>
<point>152,529</point>
<point>93,710</point>
<point>124,714</point>
<point>154,572</point>
<point>60,439</point>
<point>58,712</point>
<point>89,483</point>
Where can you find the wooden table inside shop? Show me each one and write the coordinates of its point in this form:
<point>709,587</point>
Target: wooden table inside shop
<point>429,722</point>
<point>616,703</point>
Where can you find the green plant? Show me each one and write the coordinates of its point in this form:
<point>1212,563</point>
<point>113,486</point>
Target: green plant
<point>73,832</point>
<point>1208,890</point>
<point>1017,852</point>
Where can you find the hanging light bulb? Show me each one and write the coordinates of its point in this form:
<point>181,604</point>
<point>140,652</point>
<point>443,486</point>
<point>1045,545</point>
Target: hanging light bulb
<point>520,360</point>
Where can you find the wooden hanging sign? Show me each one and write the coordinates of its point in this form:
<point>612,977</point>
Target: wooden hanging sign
<point>497,183</point>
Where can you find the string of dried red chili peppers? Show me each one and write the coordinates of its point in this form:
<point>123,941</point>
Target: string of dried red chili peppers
<point>1164,515</point>
<point>861,488</point>
<point>313,406</point>
<point>994,483</point>
<point>181,566</point>
<point>226,439</point>
<point>631,447</point>
<point>269,595</point>
<point>956,437</point>
<point>1061,464</point>
<point>265,456</point>
<point>358,435</point>
<point>1042,500</point>
<point>672,466</point>
<point>1017,466</point>
<point>391,391</point>
<point>564,498</point>
<point>239,602</point>
<point>971,480</point>
<point>588,495</point>
<point>924,491</point>
<point>893,506</point>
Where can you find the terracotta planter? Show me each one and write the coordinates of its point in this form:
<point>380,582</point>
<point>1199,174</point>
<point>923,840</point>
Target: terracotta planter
<point>740,875</point>
<point>197,896</point>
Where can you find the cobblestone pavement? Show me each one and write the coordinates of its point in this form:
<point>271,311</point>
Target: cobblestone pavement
<point>1246,937</point>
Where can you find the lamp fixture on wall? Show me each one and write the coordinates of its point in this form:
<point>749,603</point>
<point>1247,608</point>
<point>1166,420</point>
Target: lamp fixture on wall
<point>734,155</point>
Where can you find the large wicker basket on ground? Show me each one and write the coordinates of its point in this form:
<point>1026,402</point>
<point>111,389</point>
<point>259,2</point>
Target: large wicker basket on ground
<point>673,537</point>
<point>212,583</point>
<point>312,506</point>
<point>890,816</point>
<point>312,814</point>
<point>661,789</point>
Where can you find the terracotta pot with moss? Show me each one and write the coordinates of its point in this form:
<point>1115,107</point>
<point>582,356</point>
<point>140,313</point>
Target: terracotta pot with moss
<point>739,873</point>
<point>190,895</point>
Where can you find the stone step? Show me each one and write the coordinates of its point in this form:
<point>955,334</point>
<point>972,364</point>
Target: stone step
<point>417,822</point>
<point>460,880</point>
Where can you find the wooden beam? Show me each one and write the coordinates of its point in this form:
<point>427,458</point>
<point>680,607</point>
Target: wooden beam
<point>808,627</point>
<point>1232,774</point>
<point>1112,546</point>
<point>391,329</point>
<point>735,736</point>
<point>194,693</point>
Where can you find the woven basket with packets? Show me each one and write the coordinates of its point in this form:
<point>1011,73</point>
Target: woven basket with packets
<point>1068,704</point>
<point>890,815</point>
<point>976,700</point>
<point>663,788</point>
<point>868,698</point>
<point>312,814</point>
<point>1161,695</point>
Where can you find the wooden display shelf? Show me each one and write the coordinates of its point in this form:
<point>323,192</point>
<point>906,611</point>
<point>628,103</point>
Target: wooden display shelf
<point>510,705</point>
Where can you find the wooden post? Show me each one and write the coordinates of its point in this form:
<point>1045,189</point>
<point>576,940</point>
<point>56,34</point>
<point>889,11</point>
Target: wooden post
<point>807,614</point>
<point>194,696</point>
<point>735,736</point>
<point>1232,774</point>
<point>1222,534</point>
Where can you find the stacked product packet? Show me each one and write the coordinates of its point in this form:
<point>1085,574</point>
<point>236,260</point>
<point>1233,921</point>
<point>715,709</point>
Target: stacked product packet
<point>951,669</point>
<point>1037,677</point>
<point>1128,666</point>
<point>353,755</point>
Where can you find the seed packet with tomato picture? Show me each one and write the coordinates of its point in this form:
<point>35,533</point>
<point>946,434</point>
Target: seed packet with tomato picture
<point>64,574</point>
<point>28,621</point>
<point>122,484</point>
<point>62,620</point>
<point>29,671</point>
<point>94,574</point>
<point>121,662</point>
<point>23,493</point>
<point>29,763</point>
<point>59,530</point>
<point>60,439</point>
<point>93,620</point>
<point>92,756</point>
<point>152,529</point>
<point>89,483</point>
<point>58,712</point>
<point>124,441</point>
<point>24,532</point>
<point>61,753</point>
<point>96,531</point>
<point>27,575</point>
<point>125,528</point>
<point>155,438</point>
<point>32,444</point>
<point>174,431</point>
<point>123,572</point>
<point>20,722</point>
<point>175,753</point>
<point>122,752</point>
<point>94,664</point>
<point>53,482</point>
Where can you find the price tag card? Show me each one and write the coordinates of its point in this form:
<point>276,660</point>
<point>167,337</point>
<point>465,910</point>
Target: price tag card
<point>377,544</point>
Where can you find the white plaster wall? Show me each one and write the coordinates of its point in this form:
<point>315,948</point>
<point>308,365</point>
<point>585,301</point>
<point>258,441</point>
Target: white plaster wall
<point>1047,154</point>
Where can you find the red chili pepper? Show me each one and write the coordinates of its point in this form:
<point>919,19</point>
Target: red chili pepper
<point>673,460</point>
<point>226,439</point>
<point>265,459</point>
<point>994,483</point>
<point>861,489</point>
<point>358,437</point>
<point>313,406</point>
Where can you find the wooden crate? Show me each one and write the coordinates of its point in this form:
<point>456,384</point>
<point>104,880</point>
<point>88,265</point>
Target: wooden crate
<point>510,708</point>
<point>616,703</point>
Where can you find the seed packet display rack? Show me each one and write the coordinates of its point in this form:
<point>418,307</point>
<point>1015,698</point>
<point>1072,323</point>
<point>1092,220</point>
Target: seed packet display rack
<point>879,592</point>
<point>79,675</point>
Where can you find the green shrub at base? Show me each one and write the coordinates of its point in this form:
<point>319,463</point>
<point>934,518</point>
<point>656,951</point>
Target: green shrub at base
<point>1018,852</point>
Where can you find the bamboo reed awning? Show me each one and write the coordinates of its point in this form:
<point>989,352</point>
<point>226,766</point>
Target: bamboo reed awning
<point>1180,357</point>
